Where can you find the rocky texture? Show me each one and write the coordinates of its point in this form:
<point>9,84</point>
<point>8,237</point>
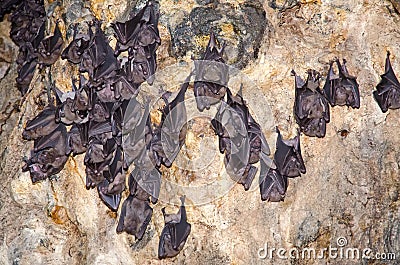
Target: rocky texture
<point>351,188</point>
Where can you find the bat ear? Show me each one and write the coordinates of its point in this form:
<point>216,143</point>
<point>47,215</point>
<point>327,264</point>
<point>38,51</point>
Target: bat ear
<point>58,94</point>
<point>387,64</point>
<point>182,198</point>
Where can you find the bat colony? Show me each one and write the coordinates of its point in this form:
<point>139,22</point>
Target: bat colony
<point>90,119</point>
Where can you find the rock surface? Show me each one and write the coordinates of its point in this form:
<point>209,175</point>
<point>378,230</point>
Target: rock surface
<point>352,184</point>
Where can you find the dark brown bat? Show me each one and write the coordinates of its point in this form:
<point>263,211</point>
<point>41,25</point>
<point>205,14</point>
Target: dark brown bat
<point>48,156</point>
<point>289,163</point>
<point>50,48</point>
<point>175,233</point>
<point>135,216</point>
<point>173,125</point>
<point>273,185</point>
<point>135,138</point>
<point>342,89</point>
<point>25,75</point>
<point>114,183</point>
<point>311,109</point>
<point>387,93</point>
<point>288,157</point>
<point>43,124</point>
<point>240,138</point>
<point>145,183</point>
<point>7,6</point>
<point>76,141</point>
<point>73,52</point>
<point>212,75</point>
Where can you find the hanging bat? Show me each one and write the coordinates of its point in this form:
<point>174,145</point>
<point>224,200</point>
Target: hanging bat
<point>50,48</point>
<point>212,75</point>
<point>288,157</point>
<point>114,183</point>
<point>343,89</point>
<point>387,93</point>
<point>135,216</point>
<point>273,185</point>
<point>25,75</point>
<point>48,156</point>
<point>123,89</point>
<point>173,125</point>
<point>175,233</point>
<point>145,183</point>
<point>135,138</point>
<point>76,141</point>
<point>311,109</point>
<point>42,125</point>
<point>74,51</point>
<point>125,32</point>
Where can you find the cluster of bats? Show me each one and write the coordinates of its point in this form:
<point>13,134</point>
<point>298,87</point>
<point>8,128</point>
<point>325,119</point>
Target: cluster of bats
<point>102,119</point>
<point>28,33</point>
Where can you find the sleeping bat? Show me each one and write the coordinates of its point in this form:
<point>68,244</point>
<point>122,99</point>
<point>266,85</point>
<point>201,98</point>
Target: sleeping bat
<point>124,89</point>
<point>67,107</point>
<point>145,183</point>
<point>240,138</point>
<point>42,125</point>
<point>343,89</point>
<point>76,141</point>
<point>387,93</point>
<point>49,154</point>
<point>311,109</point>
<point>113,185</point>
<point>289,164</point>
<point>175,233</point>
<point>73,52</point>
<point>135,216</point>
<point>25,75</point>
<point>135,138</point>
<point>172,129</point>
<point>288,157</point>
<point>212,76</point>
<point>50,48</point>
<point>273,185</point>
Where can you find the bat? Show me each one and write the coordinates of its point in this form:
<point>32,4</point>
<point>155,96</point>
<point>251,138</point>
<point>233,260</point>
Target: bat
<point>343,89</point>
<point>125,32</point>
<point>288,159</point>
<point>7,6</point>
<point>174,234</point>
<point>387,93</point>
<point>145,183</point>
<point>311,109</point>
<point>48,156</point>
<point>50,48</point>
<point>273,185</point>
<point>25,75</point>
<point>43,124</point>
<point>212,75</point>
<point>240,138</point>
<point>173,125</point>
<point>135,138</point>
<point>135,216</point>
<point>76,141</point>
<point>73,52</point>
<point>289,164</point>
<point>113,185</point>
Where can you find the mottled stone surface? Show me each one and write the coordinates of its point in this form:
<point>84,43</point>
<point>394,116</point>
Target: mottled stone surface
<point>352,184</point>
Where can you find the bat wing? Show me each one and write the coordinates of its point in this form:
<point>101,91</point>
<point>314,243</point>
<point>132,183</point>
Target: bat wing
<point>387,93</point>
